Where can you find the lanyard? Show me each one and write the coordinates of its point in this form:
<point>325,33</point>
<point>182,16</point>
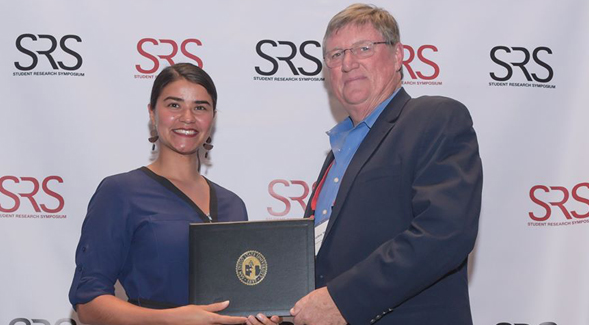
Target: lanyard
<point>318,191</point>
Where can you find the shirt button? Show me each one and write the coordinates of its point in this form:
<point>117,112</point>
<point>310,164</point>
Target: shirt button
<point>324,212</point>
<point>336,180</point>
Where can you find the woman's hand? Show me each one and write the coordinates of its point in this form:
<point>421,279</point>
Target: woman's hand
<point>204,314</point>
<point>261,319</point>
<point>110,310</point>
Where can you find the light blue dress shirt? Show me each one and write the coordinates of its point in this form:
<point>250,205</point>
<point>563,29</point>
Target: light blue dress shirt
<point>345,138</point>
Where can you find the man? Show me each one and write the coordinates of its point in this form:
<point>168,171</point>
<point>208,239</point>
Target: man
<point>398,198</point>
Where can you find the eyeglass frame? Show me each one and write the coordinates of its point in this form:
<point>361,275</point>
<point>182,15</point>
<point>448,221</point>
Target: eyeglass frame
<point>352,50</point>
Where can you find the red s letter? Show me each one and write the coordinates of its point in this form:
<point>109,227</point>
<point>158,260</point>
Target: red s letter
<point>53,194</point>
<point>9,194</point>
<point>278,197</point>
<point>428,62</point>
<point>190,55</point>
<point>156,63</point>
<point>580,199</point>
<point>540,203</point>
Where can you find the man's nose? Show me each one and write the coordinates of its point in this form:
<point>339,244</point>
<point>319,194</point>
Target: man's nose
<point>349,61</point>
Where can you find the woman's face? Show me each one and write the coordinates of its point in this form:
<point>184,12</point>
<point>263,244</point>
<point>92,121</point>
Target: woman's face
<point>183,117</point>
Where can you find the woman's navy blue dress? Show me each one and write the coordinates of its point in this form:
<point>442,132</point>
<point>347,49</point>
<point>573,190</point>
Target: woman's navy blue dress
<point>136,231</point>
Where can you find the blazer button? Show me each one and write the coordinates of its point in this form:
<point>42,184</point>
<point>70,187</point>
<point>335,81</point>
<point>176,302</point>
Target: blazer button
<point>321,276</point>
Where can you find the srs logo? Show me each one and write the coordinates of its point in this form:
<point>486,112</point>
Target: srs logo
<point>302,49</point>
<point>15,191</point>
<point>531,63</point>
<point>573,204</point>
<point>165,50</point>
<point>523,61</point>
<point>46,45</point>
<point>45,51</point>
<point>303,62</point>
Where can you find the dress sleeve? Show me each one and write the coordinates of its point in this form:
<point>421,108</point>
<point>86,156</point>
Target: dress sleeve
<point>230,206</point>
<point>104,244</point>
<point>243,210</point>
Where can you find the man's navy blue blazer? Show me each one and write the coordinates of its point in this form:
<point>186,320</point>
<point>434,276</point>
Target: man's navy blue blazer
<point>406,218</point>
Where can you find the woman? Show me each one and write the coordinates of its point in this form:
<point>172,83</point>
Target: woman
<point>136,227</point>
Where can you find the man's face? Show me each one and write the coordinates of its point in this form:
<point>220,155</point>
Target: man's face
<point>361,84</point>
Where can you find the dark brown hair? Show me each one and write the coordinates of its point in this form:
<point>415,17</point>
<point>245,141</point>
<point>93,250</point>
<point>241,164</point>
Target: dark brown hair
<point>186,71</point>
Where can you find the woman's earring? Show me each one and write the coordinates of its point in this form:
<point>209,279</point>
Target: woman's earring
<point>153,138</point>
<point>208,146</point>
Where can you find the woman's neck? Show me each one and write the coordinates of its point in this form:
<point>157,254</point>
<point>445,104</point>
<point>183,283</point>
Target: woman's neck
<point>176,167</point>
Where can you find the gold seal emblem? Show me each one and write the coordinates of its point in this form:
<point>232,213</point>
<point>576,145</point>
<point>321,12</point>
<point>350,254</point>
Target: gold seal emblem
<point>251,268</point>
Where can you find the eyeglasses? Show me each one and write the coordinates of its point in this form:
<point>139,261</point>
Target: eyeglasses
<point>362,50</point>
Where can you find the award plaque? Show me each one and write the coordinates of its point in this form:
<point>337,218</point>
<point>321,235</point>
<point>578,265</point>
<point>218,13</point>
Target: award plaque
<point>259,266</point>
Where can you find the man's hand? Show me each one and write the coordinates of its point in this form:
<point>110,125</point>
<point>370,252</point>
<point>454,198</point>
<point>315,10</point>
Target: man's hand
<point>317,308</point>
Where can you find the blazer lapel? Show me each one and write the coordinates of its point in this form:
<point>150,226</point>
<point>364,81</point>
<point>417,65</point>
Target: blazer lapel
<point>383,125</point>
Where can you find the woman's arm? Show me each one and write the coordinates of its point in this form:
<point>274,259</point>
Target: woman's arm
<point>110,310</point>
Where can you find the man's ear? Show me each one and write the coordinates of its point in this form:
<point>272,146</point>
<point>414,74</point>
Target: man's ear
<point>398,52</point>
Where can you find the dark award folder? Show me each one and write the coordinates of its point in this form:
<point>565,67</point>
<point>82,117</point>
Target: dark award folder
<point>260,266</point>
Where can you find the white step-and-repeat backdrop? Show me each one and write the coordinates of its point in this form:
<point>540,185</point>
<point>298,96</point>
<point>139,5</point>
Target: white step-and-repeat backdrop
<point>75,78</point>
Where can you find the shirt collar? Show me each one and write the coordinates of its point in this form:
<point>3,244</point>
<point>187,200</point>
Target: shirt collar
<point>347,125</point>
<point>370,119</point>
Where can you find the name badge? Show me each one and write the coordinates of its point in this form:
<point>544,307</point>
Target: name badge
<point>319,234</point>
